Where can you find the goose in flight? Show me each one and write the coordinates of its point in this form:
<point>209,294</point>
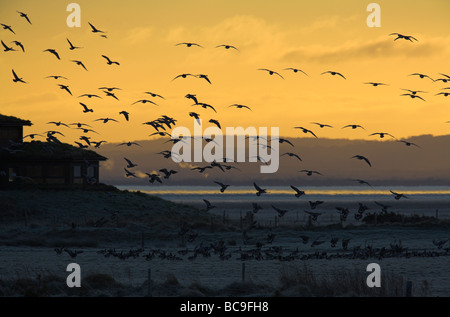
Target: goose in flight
<point>110,89</point>
<point>227,47</point>
<point>111,94</point>
<point>397,196</point>
<point>79,63</point>
<point>98,144</point>
<point>85,108</point>
<point>129,144</point>
<point>80,125</point>
<point>7,27</point>
<point>310,172</point>
<point>144,101</point>
<point>363,158</point>
<point>201,169</point>
<point>223,187</point>
<point>58,124</point>
<point>154,95</point>
<point>362,182</point>
<point>414,92</point>
<point>281,141</point>
<point>256,208</point>
<point>90,96</point>
<point>314,215</point>
<point>192,97</point>
<point>209,206</point>
<point>106,120</point>
<point>445,94</point>
<point>19,44</point>
<point>125,114</point>
<point>17,78</point>
<point>54,52</point>
<point>205,106</point>
<point>217,123</point>
<point>298,192</point>
<point>205,77</point>
<point>259,190</point>
<point>296,70</point>
<point>413,96</point>
<point>292,155</point>
<point>375,84</point>
<point>314,204</point>
<point>167,173</point>
<point>161,134</point>
<point>56,77</point>
<point>240,106</point>
<point>65,87</point>
<point>304,130</point>
<point>196,116</point>
<point>281,212</point>
<point>189,44</point>
<point>81,145</point>
<point>7,48</point>
<point>271,72</point>
<point>333,73</point>
<point>72,47</point>
<point>406,37</point>
<point>321,125</point>
<point>24,15</point>
<point>32,136</point>
<point>444,80</point>
<point>183,76</point>
<point>95,30</point>
<point>86,130</point>
<point>421,76</point>
<point>109,61</point>
<point>154,177</point>
<point>128,173</point>
<point>353,126</point>
<point>409,143</point>
<point>382,134</point>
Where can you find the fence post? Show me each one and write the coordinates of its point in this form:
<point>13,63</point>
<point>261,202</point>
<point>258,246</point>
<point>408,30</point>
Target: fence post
<point>408,289</point>
<point>149,286</point>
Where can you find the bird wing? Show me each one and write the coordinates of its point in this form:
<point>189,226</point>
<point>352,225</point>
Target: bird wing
<point>15,75</point>
<point>4,45</point>
<point>107,58</point>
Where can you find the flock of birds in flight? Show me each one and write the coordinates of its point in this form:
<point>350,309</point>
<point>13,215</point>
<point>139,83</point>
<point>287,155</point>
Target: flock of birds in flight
<point>165,123</point>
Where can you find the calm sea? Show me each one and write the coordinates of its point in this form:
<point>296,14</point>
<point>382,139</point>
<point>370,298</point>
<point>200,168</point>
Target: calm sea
<point>285,193</point>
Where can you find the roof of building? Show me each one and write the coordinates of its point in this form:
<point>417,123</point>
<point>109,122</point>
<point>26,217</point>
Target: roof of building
<point>37,150</point>
<point>13,121</point>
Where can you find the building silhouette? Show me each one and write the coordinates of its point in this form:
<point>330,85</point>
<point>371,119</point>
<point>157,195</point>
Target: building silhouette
<point>37,162</point>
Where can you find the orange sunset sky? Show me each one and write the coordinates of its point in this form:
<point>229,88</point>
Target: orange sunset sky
<point>315,36</point>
